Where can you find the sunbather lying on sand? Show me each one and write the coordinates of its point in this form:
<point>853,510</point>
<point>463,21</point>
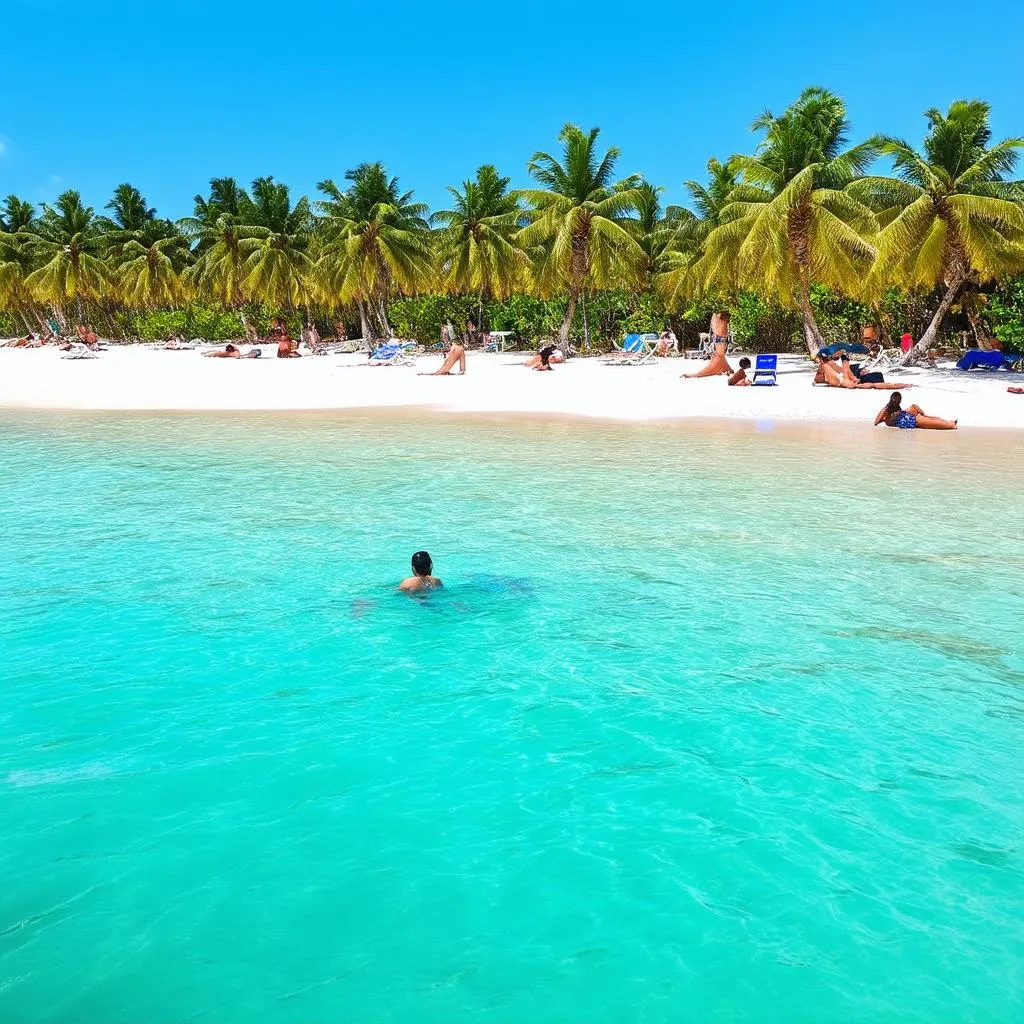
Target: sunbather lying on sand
<point>911,418</point>
<point>544,358</point>
<point>839,375</point>
<point>227,352</point>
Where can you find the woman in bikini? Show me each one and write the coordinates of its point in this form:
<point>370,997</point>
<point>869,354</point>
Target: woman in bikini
<point>911,418</point>
<point>717,364</point>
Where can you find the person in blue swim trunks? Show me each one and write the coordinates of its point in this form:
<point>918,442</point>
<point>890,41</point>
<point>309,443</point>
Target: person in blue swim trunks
<point>911,418</point>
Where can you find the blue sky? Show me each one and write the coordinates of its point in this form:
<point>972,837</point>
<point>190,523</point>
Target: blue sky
<point>167,94</point>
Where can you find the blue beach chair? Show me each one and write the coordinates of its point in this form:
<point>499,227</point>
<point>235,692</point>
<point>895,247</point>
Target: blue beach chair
<point>393,353</point>
<point>765,371</point>
<point>634,350</point>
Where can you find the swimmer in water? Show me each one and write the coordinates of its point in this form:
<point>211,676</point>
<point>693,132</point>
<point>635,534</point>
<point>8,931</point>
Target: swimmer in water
<point>422,567</point>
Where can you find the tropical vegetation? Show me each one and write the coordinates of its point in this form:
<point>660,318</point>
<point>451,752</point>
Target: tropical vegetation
<point>806,238</point>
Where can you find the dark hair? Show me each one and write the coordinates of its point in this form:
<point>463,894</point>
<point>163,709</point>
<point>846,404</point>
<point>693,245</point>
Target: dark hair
<point>546,354</point>
<point>230,348</point>
<point>895,400</point>
<point>724,314</point>
<point>744,363</point>
<point>823,355</point>
<point>422,564</point>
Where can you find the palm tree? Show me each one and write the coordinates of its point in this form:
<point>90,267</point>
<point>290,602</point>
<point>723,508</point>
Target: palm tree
<point>665,235</point>
<point>219,226</point>
<point>149,264</point>
<point>951,219</point>
<point>691,230</point>
<point>129,210</point>
<point>66,247</point>
<point>374,244</point>
<point>476,247</point>
<point>147,254</point>
<point>277,268</point>
<point>791,221</point>
<point>17,221</point>
<point>576,233</point>
<point>17,215</point>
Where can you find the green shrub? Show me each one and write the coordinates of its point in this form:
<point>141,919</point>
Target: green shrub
<point>1005,310</point>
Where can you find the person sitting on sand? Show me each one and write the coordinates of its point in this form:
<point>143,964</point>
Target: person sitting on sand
<point>667,343</point>
<point>421,579</point>
<point>288,349</point>
<point>544,358</point>
<point>837,374</point>
<point>913,417</point>
<point>740,379</point>
<point>717,364</point>
<point>456,354</point>
<point>229,351</point>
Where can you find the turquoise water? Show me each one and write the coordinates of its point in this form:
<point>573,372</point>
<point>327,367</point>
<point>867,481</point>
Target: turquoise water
<point>707,724</point>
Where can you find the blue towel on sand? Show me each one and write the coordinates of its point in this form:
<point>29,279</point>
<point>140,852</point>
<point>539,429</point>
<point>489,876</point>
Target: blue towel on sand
<point>978,359</point>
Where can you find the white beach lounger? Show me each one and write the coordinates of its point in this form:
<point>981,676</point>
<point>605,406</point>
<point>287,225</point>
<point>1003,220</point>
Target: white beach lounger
<point>80,351</point>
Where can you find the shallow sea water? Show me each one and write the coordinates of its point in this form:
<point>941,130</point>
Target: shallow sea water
<point>708,723</point>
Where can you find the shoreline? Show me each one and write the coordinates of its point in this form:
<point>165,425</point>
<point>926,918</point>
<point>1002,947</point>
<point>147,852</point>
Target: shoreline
<point>145,378</point>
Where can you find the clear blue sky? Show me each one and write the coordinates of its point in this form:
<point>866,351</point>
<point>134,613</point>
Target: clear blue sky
<point>167,94</point>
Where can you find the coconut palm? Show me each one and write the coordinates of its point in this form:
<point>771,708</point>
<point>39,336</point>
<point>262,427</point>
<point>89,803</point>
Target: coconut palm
<point>691,229</point>
<point>149,264</point>
<point>374,244</point>
<point>66,248</point>
<point>129,211</point>
<point>17,220</point>
<point>475,245</point>
<point>220,224</point>
<point>577,232</point>
<point>16,215</point>
<point>951,218</point>
<point>662,234</point>
<point>276,265</point>
<point>791,221</point>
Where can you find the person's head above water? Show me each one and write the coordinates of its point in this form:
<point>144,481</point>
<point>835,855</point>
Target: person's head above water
<point>422,564</point>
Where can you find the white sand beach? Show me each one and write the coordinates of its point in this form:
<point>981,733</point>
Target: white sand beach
<point>145,377</point>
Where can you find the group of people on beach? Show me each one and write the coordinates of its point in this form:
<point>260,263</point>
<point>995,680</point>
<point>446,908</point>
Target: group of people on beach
<point>834,370</point>
<point>85,335</point>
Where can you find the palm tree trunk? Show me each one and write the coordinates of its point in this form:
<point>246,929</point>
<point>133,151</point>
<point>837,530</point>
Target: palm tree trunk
<point>928,338</point>
<point>364,322</point>
<point>382,316</point>
<point>812,333</point>
<point>570,312</point>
